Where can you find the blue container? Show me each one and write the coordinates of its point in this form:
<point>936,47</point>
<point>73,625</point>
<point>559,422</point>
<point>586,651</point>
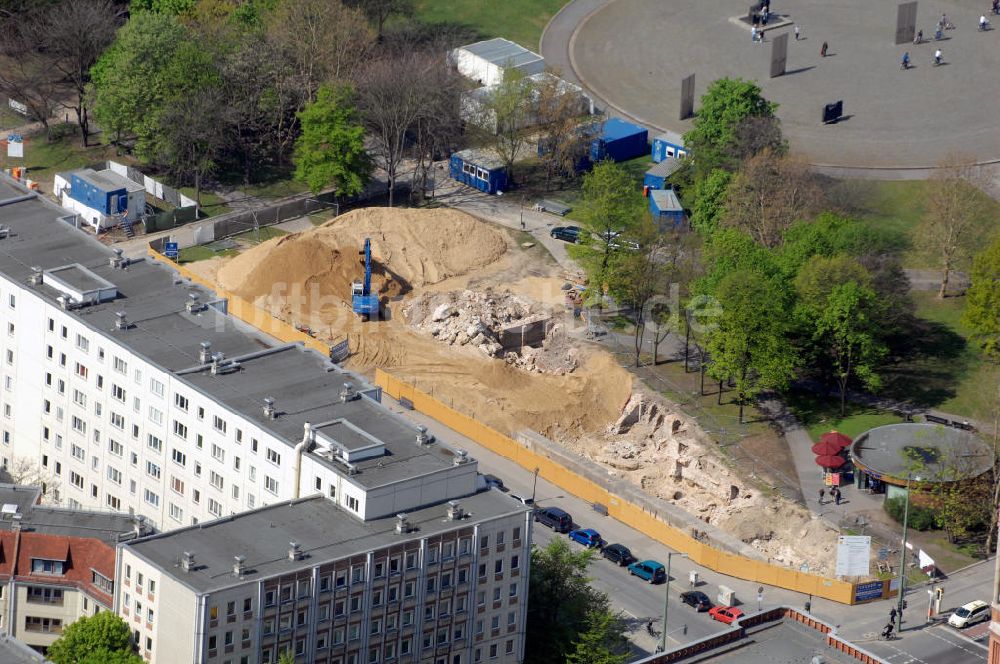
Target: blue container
<point>666,209</point>
<point>619,141</point>
<point>106,201</point>
<point>668,145</point>
<point>656,177</point>
<point>478,170</point>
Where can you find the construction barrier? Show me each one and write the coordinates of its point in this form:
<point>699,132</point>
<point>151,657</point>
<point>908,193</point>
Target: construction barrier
<point>633,515</point>
<point>247,311</point>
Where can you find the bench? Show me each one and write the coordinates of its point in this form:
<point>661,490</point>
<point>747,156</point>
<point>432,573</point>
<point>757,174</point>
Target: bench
<point>934,419</point>
<point>553,207</point>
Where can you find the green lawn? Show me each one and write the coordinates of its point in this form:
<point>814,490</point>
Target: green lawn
<point>275,189</point>
<point>822,414</point>
<point>44,159</point>
<point>254,237</point>
<point>521,21</point>
<point>211,204</point>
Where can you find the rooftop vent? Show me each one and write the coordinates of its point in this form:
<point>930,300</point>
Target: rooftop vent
<point>269,411</point>
<point>139,527</point>
<point>116,261</point>
<point>121,322</point>
<point>347,392</point>
<point>455,512</point>
<point>205,353</point>
<point>187,561</point>
<point>294,551</point>
<point>239,564</point>
<point>36,276</point>
<point>64,302</point>
<point>402,524</point>
<point>422,437</point>
<point>461,456</point>
<point>194,304</point>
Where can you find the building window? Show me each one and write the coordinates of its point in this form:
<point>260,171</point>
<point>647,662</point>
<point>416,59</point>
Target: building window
<point>114,475</point>
<point>153,470</point>
<point>215,479</point>
<point>45,595</point>
<point>218,424</point>
<point>177,485</point>
<point>115,447</point>
<point>271,485</point>
<point>118,392</point>
<point>273,457</point>
<point>156,387</point>
<point>218,453</point>
<point>214,507</point>
<point>114,502</point>
<point>179,457</point>
<point>352,503</point>
<point>121,366</point>
<point>176,513</point>
<point>152,498</point>
<point>180,430</point>
<point>45,566</point>
<point>46,625</point>
<point>154,443</point>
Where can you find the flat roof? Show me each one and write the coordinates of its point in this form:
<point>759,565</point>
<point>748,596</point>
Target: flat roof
<point>324,532</point>
<point>305,385</point>
<point>666,200</point>
<point>502,52</point>
<point>13,651</point>
<point>782,641</point>
<point>78,277</point>
<point>106,179</point>
<point>930,452</point>
<point>665,168</point>
<point>22,500</point>
<point>614,128</point>
<point>480,157</point>
<point>671,137</point>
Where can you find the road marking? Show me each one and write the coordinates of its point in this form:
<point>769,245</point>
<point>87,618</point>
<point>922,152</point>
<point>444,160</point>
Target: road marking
<point>904,654</point>
<point>958,645</point>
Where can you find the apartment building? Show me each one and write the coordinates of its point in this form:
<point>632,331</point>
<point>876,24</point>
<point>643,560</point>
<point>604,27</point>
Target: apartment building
<point>134,391</point>
<point>445,584</point>
<point>56,565</point>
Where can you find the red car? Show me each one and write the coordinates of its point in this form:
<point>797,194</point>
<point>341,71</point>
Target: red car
<point>725,614</point>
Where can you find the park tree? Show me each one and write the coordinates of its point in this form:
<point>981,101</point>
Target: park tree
<point>323,40</point>
<point>612,205</point>
<point>603,641</point>
<point>27,471</point>
<point>557,111</point>
<point>503,117</point>
<point>379,11</point>
<point>74,35</point>
<point>710,196</point>
<point>982,300</point>
<point>563,606</point>
<point>749,344</point>
<point>194,134</point>
<point>955,214</point>
<point>768,194</point>
<point>103,633</point>
<point>27,74</point>
<point>720,128</point>
<point>331,147</point>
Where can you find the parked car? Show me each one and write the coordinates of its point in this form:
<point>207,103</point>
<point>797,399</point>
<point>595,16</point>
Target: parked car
<point>725,614</point>
<point>588,537</point>
<point>566,233</point>
<point>649,570</point>
<point>697,599</point>
<point>970,614</point>
<point>619,554</point>
<point>555,518</point>
<point>494,482</point>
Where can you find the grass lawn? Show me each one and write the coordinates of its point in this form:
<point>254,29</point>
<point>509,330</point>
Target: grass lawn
<point>44,159</point>
<point>275,189</point>
<point>201,253</point>
<point>521,21</point>
<point>266,233</point>
<point>821,414</point>
<point>211,204</point>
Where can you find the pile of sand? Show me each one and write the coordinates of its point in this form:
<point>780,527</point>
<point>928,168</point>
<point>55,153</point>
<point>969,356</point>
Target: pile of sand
<point>410,248</point>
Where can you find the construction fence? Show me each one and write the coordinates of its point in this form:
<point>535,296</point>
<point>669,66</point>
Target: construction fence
<point>618,506</point>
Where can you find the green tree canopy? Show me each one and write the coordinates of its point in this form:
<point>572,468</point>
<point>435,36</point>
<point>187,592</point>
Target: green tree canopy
<point>613,204</point>
<point>749,343</point>
<point>982,300</point>
<point>730,250</point>
<point>563,609</point>
<point>710,195</point>
<point>102,634</point>
<point>331,147</point>
<point>725,107</point>
<point>602,643</point>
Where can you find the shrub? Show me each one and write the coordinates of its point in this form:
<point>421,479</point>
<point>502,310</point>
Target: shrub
<point>921,518</point>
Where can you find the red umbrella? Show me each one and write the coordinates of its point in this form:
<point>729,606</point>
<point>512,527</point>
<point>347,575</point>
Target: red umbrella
<point>836,438</point>
<point>826,448</point>
<point>830,461</point>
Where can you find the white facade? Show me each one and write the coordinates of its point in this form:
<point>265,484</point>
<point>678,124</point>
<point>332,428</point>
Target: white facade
<point>486,61</point>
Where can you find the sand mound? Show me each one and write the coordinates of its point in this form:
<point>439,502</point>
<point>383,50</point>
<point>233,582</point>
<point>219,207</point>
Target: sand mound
<point>410,248</point>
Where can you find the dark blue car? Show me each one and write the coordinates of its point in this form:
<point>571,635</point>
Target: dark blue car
<point>588,537</point>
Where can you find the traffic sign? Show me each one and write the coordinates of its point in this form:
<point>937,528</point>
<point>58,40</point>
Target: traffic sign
<point>171,250</point>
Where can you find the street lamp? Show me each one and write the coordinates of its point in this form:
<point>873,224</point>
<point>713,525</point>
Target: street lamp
<point>666,600</point>
<point>534,485</point>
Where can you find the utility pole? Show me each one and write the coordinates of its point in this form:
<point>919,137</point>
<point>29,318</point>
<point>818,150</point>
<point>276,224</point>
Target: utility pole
<point>534,485</point>
<point>902,562</point>
<point>666,600</point>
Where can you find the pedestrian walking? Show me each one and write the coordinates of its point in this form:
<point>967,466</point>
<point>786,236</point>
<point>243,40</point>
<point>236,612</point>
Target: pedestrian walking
<point>919,39</point>
<point>892,615</point>
<point>937,57</point>
<point>905,64</point>
<point>822,50</point>
<point>836,495</point>
<point>649,627</point>
<point>797,28</point>
<point>822,493</point>
<point>753,34</point>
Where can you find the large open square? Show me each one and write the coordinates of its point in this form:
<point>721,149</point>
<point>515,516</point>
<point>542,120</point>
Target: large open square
<point>634,53</point>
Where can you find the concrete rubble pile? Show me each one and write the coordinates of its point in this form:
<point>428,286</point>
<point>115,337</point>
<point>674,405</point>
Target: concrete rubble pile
<point>491,321</point>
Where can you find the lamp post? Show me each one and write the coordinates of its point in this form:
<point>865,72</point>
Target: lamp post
<point>902,562</point>
<point>666,600</point>
<point>534,485</point>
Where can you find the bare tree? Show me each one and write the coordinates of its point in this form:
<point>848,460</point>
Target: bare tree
<point>955,210</point>
<point>439,126</point>
<point>26,70</point>
<point>504,115</point>
<point>379,11</point>
<point>558,110</point>
<point>27,472</point>
<point>769,193</point>
<point>391,98</point>
<point>194,134</point>
<point>74,35</point>
<point>324,41</point>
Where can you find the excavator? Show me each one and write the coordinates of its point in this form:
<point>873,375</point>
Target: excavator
<point>363,302</point>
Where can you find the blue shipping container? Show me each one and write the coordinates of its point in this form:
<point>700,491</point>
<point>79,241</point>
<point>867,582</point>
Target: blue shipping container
<point>478,170</point>
<point>103,200</point>
<point>619,141</point>
<point>656,177</point>
<point>666,209</point>
<point>668,145</point>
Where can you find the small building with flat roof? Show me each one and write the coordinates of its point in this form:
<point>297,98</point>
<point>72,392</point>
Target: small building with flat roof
<point>884,457</point>
<point>486,61</point>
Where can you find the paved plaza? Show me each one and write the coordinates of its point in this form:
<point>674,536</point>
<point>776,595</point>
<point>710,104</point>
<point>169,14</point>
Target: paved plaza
<point>634,53</point>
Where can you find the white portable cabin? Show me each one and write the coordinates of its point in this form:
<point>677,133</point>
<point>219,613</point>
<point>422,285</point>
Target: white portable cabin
<point>486,61</point>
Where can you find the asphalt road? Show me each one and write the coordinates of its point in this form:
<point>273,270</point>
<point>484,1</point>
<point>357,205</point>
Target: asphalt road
<point>939,644</point>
